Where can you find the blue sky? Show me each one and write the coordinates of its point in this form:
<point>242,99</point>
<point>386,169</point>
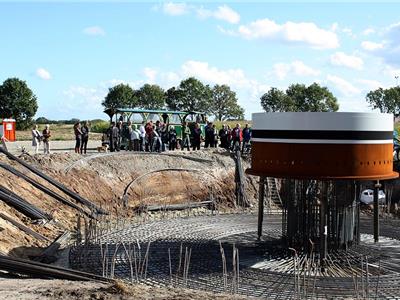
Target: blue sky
<point>71,53</point>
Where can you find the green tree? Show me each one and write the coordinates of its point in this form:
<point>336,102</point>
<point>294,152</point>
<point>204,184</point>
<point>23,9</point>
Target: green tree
<point>120,96</point>
<point>17,101</point>
<point>299,97</point>
<point>224,104</point>
<point>42,120</point>
<point>191,95</point>
<point>276,101</point>
<point>150,96</point>
<point>173,98</point>
<point>386,100</point>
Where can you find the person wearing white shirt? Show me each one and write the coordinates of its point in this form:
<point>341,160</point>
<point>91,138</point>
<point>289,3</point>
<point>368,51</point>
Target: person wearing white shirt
<point>135,135</point>
<point>36,139</point>
<point>142,136</point>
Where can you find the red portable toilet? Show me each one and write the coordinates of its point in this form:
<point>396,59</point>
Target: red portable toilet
<point>9,130</point>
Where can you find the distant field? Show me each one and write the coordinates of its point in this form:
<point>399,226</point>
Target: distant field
<point>232,124</point>
<point>59,132</point>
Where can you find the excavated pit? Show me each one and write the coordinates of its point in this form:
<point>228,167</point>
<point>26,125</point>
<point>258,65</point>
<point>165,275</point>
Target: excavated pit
<point>220,253</point>
<point>194,248</point>
<point>117,182</point>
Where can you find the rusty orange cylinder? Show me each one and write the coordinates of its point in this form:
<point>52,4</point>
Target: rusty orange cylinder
<point>322,145</point>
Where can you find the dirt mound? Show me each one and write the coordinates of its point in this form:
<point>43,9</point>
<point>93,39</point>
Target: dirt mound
<point>118,182</point>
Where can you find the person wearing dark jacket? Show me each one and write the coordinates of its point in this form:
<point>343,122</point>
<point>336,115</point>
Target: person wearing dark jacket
<point>246,133</point>
<point>209,135</point>
<point>114,137</point>
<point>120,133</point>
<point>46,134</point>
<point>85,137</point>
<point>223,137</point>
<point>196,136</point>
<point>78,137</point>
<point>172,135</point>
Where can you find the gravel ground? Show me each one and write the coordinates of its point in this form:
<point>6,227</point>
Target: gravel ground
<point>55,146</point>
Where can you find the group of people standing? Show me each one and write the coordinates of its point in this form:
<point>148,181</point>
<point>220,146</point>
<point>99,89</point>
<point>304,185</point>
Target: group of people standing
<point>39,137</point>
<point>81,137</point>
<point>145,137</point>
<point>158,136</point>
<point>237,136</point>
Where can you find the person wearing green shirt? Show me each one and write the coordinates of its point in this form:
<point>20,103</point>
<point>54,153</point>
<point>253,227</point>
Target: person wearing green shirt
<point>185,136</point>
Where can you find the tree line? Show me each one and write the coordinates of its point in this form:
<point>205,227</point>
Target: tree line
<point>190,95</point>
<point>299,97</point>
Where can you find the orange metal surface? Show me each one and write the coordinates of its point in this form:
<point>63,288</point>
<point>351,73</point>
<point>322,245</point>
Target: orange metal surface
<point>323,161</point>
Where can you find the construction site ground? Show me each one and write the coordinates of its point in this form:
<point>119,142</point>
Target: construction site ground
<point>122,183</point>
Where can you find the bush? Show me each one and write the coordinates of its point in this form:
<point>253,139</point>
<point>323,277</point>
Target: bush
<point>99,126</point>
<point>42,120</point>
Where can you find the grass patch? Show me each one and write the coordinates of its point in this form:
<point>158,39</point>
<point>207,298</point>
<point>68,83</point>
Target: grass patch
<point>232,124</point>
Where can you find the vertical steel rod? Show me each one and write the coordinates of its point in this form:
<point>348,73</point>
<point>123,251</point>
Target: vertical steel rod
<point>323,224</point>
<point>261,192</point>
<point>376,211</point>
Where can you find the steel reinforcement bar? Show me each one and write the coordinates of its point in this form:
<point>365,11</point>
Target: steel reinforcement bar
<point>22,205</point>
<point>40,270</point>
<point>57,184</point>
<point>44,189</point>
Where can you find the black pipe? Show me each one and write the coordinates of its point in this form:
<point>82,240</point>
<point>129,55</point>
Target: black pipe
<point>45,189</point>
<point>57,184</point>
<point>24,228</point>
<point>22,205</point>
<point>40,270</point>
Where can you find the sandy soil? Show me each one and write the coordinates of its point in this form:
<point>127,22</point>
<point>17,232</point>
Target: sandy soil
<point>30,289</point>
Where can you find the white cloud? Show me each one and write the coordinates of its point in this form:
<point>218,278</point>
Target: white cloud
<point>391,72</point>
<point>343,86</point>
<point>302,33</point>
<point>226,31</point>
<point>168,79</point>
<point>83,102</point>
<point>369,85</point>
<point>248,90</point>
<point>175,9</point>
<point>334,26</point>
<point>349,32</point>
<point>203,71</point>
<point>368,31</point>
<point>43,73</point>
<point>223,12</point>
<point>94,30</point>
<point>281,70</point>
<point>150,74</point>
<point>371,46</point>
<point>349,61</point>
<point>388,49</point>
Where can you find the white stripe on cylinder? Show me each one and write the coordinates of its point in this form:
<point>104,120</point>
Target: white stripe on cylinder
<point>323,121</point>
